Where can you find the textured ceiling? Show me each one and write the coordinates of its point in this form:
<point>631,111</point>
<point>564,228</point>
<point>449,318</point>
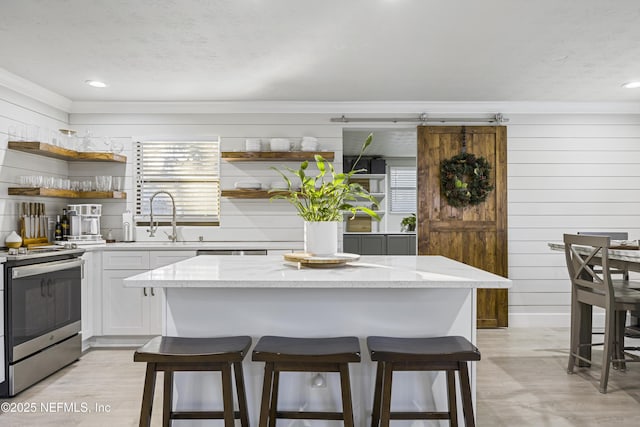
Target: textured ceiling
<point>329,50</point>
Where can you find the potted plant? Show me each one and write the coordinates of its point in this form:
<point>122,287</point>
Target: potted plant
<point>321,200</point>
<point>408,223</point>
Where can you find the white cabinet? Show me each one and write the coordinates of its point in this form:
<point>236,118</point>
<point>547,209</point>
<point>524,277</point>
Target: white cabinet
<point>126,311</point>
<point>90,289</point>
<point>133,311</point>
<point>125,260</point>
<point>162,258</point>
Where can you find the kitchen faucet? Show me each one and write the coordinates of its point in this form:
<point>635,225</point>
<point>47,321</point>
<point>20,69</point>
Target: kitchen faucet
<point>152,230</point>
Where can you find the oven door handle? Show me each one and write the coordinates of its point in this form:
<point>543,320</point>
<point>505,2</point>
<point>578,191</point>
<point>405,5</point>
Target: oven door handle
<point>47,267</point>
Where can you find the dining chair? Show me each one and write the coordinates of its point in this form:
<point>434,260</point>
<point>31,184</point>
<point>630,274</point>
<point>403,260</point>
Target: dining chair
<point>596,288</point>
<point>613,235</point>
<point>633,330</point>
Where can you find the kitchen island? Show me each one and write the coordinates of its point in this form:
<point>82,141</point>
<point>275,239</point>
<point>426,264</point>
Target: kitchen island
<point>265,295</point>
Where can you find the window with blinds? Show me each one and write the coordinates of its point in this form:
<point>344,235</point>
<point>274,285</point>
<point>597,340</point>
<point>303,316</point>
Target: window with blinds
<point>189,170</point>
<point>402,189</point>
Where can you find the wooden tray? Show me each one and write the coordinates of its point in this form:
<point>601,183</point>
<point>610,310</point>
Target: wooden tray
<point>310,260</point>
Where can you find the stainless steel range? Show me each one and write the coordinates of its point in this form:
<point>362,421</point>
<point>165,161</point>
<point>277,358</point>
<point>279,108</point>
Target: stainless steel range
<point>41,314</point>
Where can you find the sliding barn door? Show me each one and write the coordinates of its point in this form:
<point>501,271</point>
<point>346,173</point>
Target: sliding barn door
<point>475,235</point>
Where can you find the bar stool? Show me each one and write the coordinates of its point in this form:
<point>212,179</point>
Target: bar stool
<point>448,354</point>
<point>173,354</point>
<point>284,354</point>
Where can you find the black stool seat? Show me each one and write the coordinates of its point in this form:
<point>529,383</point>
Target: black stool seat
<point>422,349</point>
<point>178,354</point>
<point>285,354</point>
<point>336,350</point>
<point>179,349</point>
<point>449,354</point>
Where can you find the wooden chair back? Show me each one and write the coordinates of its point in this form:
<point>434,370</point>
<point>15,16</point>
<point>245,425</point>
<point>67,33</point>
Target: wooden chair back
<point>582,252</point>
<point>613,235</point>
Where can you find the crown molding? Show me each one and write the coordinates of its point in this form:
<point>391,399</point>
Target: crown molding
<point>338,108</point>
<point>48,97</point>
<point>34,91</point>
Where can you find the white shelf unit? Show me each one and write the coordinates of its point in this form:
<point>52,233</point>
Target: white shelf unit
<point>378,189</point>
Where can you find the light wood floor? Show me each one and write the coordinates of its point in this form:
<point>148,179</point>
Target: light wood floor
<point>522,381</point>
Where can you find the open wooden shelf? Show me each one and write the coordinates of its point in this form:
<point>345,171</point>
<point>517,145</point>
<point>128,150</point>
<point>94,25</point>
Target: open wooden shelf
<point>53,151</point>
<point>250,194</point>
<point>67,194</point>
<point>265,156</point>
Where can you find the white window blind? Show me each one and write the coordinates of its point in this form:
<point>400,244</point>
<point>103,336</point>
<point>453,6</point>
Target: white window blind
<point>402,188</point>
<point>189,170</point>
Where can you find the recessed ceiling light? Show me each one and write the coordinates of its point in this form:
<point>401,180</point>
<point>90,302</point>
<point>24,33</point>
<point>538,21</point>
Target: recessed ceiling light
<point>632,85</point>
<point>95,83</point>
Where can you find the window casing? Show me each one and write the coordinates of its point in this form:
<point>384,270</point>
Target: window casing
<point>402,189</point>
<point>189,170</point>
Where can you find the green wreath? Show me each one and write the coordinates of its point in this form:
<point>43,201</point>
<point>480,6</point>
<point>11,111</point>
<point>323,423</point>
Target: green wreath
<point>464,180</point>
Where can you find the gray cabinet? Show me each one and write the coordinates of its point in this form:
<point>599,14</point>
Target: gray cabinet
<point>401,244</point>
<point>374,244</point>
<point>380,244</point>
<point>351,243</point>
<point>363,244</point>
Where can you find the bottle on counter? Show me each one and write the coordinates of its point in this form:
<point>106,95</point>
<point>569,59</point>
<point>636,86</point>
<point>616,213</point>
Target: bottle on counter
<point>58,230</point>
<point>64,223</point>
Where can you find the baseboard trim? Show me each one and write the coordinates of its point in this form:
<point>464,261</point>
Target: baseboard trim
<point>548,320</point>
<point>118,341</point>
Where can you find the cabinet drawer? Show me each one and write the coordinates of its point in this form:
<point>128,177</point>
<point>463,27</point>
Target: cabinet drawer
<point>125,260</point>
<point>162,258</point>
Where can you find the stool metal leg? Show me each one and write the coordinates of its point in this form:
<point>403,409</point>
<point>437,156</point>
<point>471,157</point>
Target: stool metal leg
<point>227,396</point>
<point>465,386</point>
<point>274,397</point>
<point>347,405</point>
<point>266,394</point>
<point>451,394</point>
<point>167,399</point>
<point>377,395</point>
<point>386,394</point>
<point>147,395</point>
<point>242,394</point>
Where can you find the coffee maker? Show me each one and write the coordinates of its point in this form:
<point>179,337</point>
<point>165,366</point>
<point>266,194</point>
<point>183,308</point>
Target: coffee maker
<point>84,224</point>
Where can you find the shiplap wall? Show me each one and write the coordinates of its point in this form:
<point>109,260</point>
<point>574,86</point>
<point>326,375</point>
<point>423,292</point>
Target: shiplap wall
<point>566,173</point>
<point>18,110</point>
<point>241,219</point>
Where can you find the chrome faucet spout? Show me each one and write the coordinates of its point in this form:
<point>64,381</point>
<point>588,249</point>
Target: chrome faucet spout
<point>152,229</point>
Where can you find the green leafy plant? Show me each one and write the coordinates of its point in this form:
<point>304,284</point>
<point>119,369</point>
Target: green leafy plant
<point>408,223</point>
<point>325,196</point>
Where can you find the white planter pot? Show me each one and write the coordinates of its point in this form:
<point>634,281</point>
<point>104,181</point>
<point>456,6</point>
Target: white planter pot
<point>321,238</point>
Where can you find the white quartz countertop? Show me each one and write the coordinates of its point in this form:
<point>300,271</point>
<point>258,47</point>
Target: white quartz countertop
<point>272,271</point>
<point>166,246</point>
